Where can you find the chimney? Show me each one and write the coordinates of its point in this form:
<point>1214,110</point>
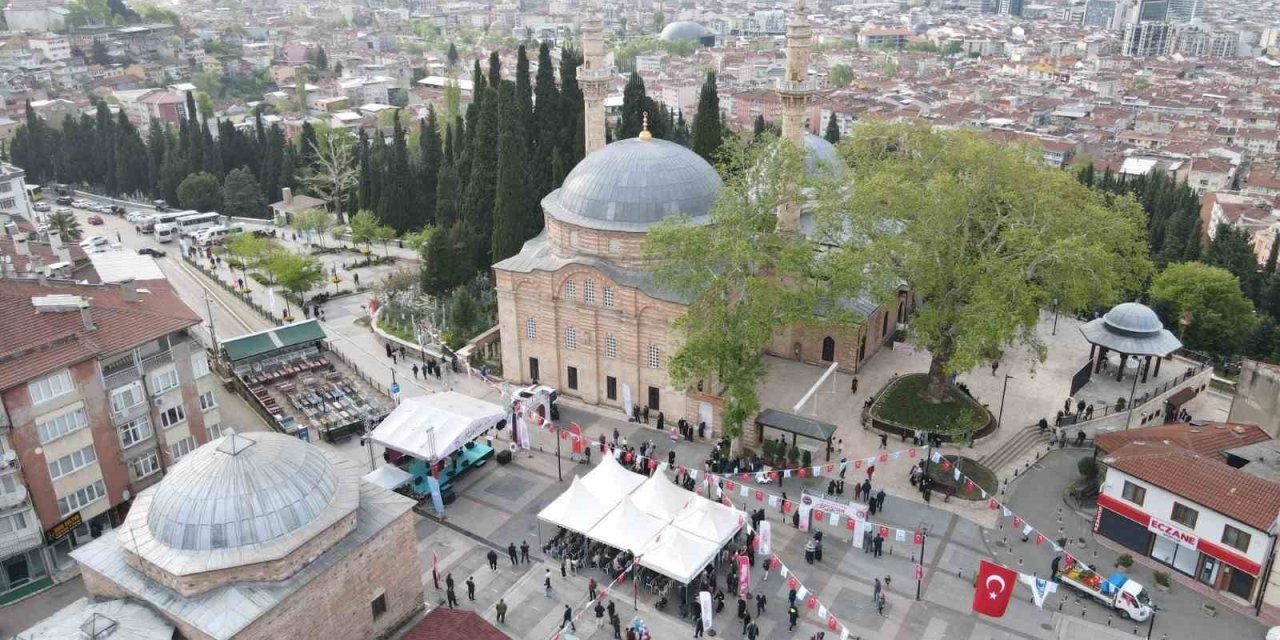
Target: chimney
<point>4,267</point>
<point>64,254</point>
<point>129,289</point>
<point>20,245</point>
<point>86,317</point>
<point>55,239</point>
<point>287,195</point>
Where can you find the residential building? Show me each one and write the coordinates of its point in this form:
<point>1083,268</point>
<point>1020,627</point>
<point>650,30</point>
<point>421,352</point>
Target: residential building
<point>102,390</point>
<point>1199,498</point>
<point>13,192</point>
<point>883,37</point>
<point>51,47</point>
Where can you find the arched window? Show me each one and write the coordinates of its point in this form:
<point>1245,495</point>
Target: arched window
<point>570,338</point>
<point>610,347</point>
<point>655,357</point>
<point>589,291</point>
<point>531,329</point>
<point>828,349</point>
<point>570,290</point>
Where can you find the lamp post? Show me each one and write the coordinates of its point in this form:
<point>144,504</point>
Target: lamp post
<point>1055,316</point>
<point>1132,390</point>
<point>924,537</point>
<point>1003,390</point>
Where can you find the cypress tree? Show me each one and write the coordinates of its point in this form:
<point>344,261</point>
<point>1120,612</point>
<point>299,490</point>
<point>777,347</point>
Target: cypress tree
<point>1275,252</point>
<point>195,137</point>
<point>212,160</point>
<point>448,203</point>
<point>429,154</point>
<point>131,161</point>
<point>631,121</point>
<point>105,149</point>
<point>510,200</point>
<point>707,129</point>
<point>495,69</point>
<point>272,164</point>
<point>307,145</point>
<point>453,55</point>
<point>572,140</point>
<point>524,94</point>
<point>833,129</point>
<point>758,129</point>
<point>547,121</point>
<point>156,138</point>
<point>477,201</point>
<point>364,196</point>
<point>395,204</point>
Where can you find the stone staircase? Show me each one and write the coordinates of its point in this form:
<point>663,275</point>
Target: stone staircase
<point>1024,441</point>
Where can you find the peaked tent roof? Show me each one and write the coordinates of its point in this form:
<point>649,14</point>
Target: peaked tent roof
<point>577,509</point>
<point>708,519</point>
<point>627,527</point>
<point>661,498</point>
<point>432,427</point>
<point>611,482</point>
<point>678,555</point>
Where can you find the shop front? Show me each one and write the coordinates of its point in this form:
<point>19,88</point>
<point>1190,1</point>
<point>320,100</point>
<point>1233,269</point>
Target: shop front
<point>1183,551</point>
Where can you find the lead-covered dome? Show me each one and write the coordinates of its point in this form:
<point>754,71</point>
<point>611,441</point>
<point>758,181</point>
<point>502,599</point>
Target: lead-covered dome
<point>821,157</point>
<point>1132,329</point>
<point>631,184</point>
<point>683,32</point>
<point>242,500</point>
<point>1133,318</point>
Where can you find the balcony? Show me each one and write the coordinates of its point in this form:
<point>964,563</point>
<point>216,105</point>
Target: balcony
<point>25,539</point>
<point>120,376</point>
<point>11,499</point>
<point>157,360</point>
<point>131,413</point>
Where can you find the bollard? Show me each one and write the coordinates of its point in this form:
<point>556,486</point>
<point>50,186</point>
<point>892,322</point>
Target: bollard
<point>1108,621</point>
<point>1060,603</point>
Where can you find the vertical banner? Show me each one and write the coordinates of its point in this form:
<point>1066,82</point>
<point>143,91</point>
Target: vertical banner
<point>707,607</point>
<point>575,433</point>
<point>766,539</point>
<point>626,404</point>
<point>705,414</point>
<point>437,501</point>
<point>744,574</point>
<point>805,511</point>
<point>859,523</point>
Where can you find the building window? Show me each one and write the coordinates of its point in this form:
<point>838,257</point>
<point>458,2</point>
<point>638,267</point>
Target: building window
<point>611,387</point>
<point>135,432</point>
<point>164,380</point>
<point>573,378</point>
<point>570,290</point>
<point>610,347</point>
<point>182,448</point>
<point>531,329</point>
<point>127,397</point>
<point>146,465</point>
<point>13,522</point>
<point>72,462</point>
<point>214,431</point>
<point>589,291</point>
<point>81,498</point>
<point>379,605</point>
<point>1133,493</point>
<point>174,415</point>
<point>200,365</point>
<point>8,203</point>
<point>608,297</point>
<point>58,426</point>
<point>655,357</point>
<point>6,187</point>
<point>46,389</point>
<point>1235,538</point>
<point>1184,515</point>
<point>207,401</point>
<point>570,338</point>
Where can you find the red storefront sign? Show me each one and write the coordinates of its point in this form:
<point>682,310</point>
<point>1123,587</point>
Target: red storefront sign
<point>1173,533</point>
<point>1204,546</point>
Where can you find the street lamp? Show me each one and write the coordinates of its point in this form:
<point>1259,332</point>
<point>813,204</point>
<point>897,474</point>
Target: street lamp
<point>1055,316</point>
<point>1003,390</point>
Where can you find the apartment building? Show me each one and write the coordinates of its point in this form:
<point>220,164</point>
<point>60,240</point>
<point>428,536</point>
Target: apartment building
<point>101,390</point>
<point>14,201</point>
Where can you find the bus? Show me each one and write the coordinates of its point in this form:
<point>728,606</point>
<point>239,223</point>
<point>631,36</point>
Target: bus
<point>191,224</point>
<point>148,224</point>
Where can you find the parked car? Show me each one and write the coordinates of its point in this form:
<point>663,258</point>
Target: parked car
<point>63,210</point>
<point>94,241</point>
<point>41,206</point>
<point>64,200</point>
<point>95,219</point>
<point>116,209</point>
<point>148,251</point>
<point>134,216</point>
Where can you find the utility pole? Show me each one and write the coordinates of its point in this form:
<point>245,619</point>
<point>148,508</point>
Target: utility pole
<point>924,537</point>
<point>213,334</point>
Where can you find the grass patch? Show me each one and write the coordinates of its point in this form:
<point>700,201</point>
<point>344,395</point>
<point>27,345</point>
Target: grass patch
<point>903,404</point>
<point>982,477</point>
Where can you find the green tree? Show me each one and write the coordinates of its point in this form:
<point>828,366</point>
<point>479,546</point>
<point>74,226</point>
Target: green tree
<point>833,129</point>
<point>708,131</point>
<point>396,205</point>
<point>983,234</point>
<point>448,206</point>
<point>510,200</point>
<point>495,69</point>
<point>631,121</point>
<point>250,250</point>
<point>296,273</point>
<point>384,234</point>
<point>364,228</point>
<point>242,195</point>
<point>841,75</point>
<point>1232,250</point>
<point>547,120</point>
<point>453,55</point>
<point>68,227</point>
<point>572,133</point>
<point>758,127</point>
<point>430,155</point>
<point>314,221</point>
<point>334,170</point>
<point>1206,304</point>
<point>729,269</point>
<point>200,191</point>
<point>477,201</point>
<point>131,158</point>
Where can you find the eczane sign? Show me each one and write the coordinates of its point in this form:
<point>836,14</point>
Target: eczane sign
<point>1171,532</point>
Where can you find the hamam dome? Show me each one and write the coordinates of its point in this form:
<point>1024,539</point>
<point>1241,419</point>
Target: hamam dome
<point>632,184</point>
<point>683,31</point>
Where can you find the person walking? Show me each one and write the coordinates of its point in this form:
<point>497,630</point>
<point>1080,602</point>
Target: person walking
<point>451,596</point>
<point>746,622</point>
<point>524,551</point>
<point>879,542</point>
<point>501,609</point>
<point>599,611</point>
<point>753,631</point>
<point>880,501</point>
<point>511,553</point>
<point>884,441</point>
<point>793,614</point>
<point>760,601</point>
<point>742,607</point>
<point>448,580</point>
<point>866,541</point>
<point>809,548</point>
<point>415,371</point>
<point>875,595</point>
<point>791,597</point>
<point>853,386</point>
<point>610,609</point>
<point>697,625</point>
<point>616,623</point>
<point>568,619</point>
<point>546,583</point>
<point>880,604</point>
<point>564,571</point>
<point>493,559</point>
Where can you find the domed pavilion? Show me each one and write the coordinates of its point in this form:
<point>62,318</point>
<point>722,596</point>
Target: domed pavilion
<point>1129,329</point>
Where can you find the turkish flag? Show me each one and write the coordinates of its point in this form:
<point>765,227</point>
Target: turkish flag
<point>817,515</point>
<point>848,524</point>
<point>911,453</point>
<point>759,496</point>
<point>786,506</point>
<point>992,504</point>
<point>773,476</point>
<point>857,464</point>
<point>884,457</point>
<point>1017,522</point>
<point>995,587</point>
<point>812,603</point>
<point>884,532</point>
<point>792,583</point>
<point>830,468</point>
<point>730,486</point>
<point>774,563</point>
<point>918,538</point>
<point>946,466</point>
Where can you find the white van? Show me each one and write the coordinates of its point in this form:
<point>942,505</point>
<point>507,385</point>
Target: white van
<point>218,234</point>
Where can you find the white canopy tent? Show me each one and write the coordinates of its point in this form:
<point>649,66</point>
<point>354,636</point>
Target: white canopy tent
<point>577,509</point>
<point>661,498</point>
<point>627,527</point>
<point>710,520</point>
<point>678,555</point>
<point>432,427</point>
<point>389,477</point>
<point>611,482</point>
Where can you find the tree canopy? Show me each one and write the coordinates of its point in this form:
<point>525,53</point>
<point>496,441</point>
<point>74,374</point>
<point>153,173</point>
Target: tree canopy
<point>1206,305</point>
<point>200,191</point>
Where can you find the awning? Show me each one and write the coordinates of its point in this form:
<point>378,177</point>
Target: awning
<point>264,342</point>
<point>799,425</point>
<point>1181,396</point>
<point>432,427</point>
<point>388,477</point>
<point>678,555</point>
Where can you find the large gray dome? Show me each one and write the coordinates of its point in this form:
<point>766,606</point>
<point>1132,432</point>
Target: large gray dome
<point>631,184</point>
<point>1133,318</point>
<point>248,491</point>
<point>821,156</point>
<point>683,31</point>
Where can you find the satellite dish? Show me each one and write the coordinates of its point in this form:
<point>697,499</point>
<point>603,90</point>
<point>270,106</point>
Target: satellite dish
<point>126,495</point>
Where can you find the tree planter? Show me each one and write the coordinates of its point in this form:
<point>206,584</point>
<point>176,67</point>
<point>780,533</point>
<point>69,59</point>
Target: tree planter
<point>1209,609</point>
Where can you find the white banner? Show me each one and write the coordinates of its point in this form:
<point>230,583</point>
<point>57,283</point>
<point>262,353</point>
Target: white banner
<point>858,525</point>
<point>626,400</point>
<point>830,506</point>
<point>704,599</point>
<point>766,539</point>
<point>804,517</point>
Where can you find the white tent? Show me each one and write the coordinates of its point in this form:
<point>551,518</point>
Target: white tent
<point>611,482</point>
<point>661,498</point>
<point>678,555</point>
<point>626,527</point>
<point>577,509</point>
<point>710,520</point>
<point>388,477</point>
<point>432,427</point>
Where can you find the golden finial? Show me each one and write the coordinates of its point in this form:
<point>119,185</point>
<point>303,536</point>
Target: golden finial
<point>644,132</point>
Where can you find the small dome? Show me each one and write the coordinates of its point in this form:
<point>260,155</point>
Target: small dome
<point>683,31</point>
<point>245,491</point>
<point>632,184</point>
<point>1133,318</point>
<point>820,155</point>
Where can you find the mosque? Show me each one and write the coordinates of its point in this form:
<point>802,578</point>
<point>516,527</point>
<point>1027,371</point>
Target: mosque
<point>577,307</point>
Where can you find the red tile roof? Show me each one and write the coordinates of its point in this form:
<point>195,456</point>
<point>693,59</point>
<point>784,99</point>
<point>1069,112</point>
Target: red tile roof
<point>1207,439</point>
<point>453,624</point>
<point>33,344</point>
<point>1203,480</point>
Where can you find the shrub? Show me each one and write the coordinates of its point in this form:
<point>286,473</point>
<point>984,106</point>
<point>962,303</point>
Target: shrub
<point>1088,467</point>
<point>768,447</point>
<point>748,453</point>
<point>793,455</point>
<point>806,458</point>
<point>1120,403</point>
<point>1124,561</point>
<point>1162,578</point>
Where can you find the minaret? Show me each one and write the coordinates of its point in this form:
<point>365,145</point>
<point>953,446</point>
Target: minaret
<point>593,78</point>
<point>794,90</point>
